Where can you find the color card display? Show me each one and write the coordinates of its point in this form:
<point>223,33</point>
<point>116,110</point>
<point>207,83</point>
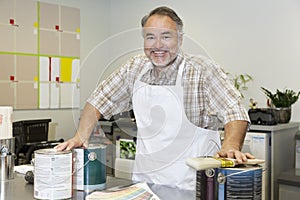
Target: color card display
<point>39,55</point>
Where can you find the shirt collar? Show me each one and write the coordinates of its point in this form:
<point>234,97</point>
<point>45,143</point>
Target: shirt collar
<point>169,72</point>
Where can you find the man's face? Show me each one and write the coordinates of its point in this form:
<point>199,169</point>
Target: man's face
<point>161,40</point>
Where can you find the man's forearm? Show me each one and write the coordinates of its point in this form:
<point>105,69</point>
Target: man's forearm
<point>234,135</point>
<point>90,115</point>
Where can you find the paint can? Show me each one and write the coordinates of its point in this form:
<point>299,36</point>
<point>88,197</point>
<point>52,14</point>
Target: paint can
<point>243,182</point>
<point>90,168</point>
<point>7,158</point>
<point>5,122</point>
<point>52,174</point>
<point>206,184</point>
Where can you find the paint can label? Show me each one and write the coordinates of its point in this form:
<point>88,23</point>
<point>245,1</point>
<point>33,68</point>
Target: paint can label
<point>52,174</point>
<point>90,168</point>
<point>244,182</point>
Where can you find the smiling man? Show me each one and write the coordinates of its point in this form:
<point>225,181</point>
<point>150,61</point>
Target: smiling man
<point>173,96</point>
<point>162,40</point>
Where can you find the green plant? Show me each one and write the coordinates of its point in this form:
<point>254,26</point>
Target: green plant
<point>282,99</point>
<point>127,149</point>
<point>240,82</point>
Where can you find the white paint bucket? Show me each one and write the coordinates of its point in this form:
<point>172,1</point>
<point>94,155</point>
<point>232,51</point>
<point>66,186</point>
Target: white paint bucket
<point>5,122</point>
<point>52,174</point>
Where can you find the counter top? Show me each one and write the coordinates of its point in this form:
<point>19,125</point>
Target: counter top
<point>290,177</point>
<point>274,127</point>
<point>18,188</point>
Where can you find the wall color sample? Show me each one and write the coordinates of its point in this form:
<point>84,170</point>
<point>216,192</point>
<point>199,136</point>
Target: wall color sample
<point>39,44</point>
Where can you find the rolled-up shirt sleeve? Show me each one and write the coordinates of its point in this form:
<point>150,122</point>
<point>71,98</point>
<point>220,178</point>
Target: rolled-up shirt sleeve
<point>225,98</point>
<point>236,112</point>
<point>112,96</point>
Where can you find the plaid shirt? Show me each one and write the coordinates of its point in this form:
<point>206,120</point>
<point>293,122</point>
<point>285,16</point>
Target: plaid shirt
<point>207,90</point>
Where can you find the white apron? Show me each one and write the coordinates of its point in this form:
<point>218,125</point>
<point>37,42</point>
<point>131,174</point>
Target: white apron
<point>165,137</point>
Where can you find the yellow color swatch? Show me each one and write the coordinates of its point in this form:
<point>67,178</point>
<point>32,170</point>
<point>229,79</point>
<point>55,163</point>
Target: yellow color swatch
<point>66,69</point>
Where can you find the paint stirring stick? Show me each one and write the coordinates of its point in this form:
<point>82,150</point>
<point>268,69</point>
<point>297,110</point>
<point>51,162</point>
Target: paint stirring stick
<point>202,163</point>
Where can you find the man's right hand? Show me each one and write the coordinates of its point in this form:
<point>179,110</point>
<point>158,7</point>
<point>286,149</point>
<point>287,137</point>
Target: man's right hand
<point>72,143</point>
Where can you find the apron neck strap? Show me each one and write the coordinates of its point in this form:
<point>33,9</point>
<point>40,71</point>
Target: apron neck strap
<point>179,74</point>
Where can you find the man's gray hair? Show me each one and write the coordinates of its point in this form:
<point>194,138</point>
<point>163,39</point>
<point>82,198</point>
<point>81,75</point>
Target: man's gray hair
<point>164,11</point>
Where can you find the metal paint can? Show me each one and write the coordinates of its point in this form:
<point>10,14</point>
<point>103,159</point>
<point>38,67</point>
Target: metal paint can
<point>240,182</point>
<point>206,184</point>
<point>7,158</point>
<point>52,174</point>
<point>90,168</point>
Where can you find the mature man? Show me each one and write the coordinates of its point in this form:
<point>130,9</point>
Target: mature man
<point>172,95</point>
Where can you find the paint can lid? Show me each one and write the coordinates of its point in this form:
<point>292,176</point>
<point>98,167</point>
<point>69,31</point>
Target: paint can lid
<point>96,146</point>
<point>51,151</point>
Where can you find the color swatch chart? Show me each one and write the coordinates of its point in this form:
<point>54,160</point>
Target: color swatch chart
<point>39,55</point>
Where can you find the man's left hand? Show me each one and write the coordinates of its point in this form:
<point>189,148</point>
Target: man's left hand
<point>236,154</point>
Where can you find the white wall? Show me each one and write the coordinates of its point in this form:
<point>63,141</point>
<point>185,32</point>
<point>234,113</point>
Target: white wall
<point>258,37</point>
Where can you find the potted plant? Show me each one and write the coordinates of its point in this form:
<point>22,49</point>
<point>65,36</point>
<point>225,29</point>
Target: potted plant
<point>282,101</point>
<point>240,82</point>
